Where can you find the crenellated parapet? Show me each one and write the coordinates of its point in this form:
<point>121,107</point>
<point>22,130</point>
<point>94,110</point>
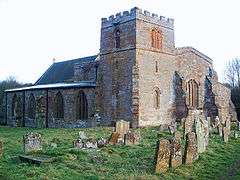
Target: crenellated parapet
<point>137,13</point>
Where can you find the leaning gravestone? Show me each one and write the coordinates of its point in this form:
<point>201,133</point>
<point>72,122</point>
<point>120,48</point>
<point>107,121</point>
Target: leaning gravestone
<point>176,150</point>
<point>191,152</point>
<point>122,127</point>
<point>32,142</point>
<point>162,156</point>
<point>1,149</point>
<point>200,131</point>
<point>132,138</point>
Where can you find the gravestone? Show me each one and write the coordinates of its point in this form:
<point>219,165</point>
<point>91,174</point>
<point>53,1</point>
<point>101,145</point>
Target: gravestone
<point>238,125</point>
<point>228,124</point>
<point>102,142</point>
<point>132,138</point>
<point>176,150</point>
<point>207,132</point>
<point>32,142</point>
<point>162,156</point>
<point>122,127</point>
<point>79,144</point>
<point>82,135</point>
<point>200,131</point>
<point>172,127</point>
<point>1,149</point>
<point>114,139</point>
<point>225,134</point>
<point>191,152</point>
<point>90,144</point>
<point>163,127</point>
<point>220,130</point>
<point>189,123</point>
<point>236,134</point>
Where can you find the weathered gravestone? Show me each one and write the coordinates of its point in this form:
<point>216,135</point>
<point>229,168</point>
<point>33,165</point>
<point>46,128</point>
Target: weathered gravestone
<point>163,156</point>
<point>163,127</point>
<point>90,143</point>
<point>114,139</point>
<point>236,134</point>
<point>132,138</point>
<point>225,134</point>
<point>102,142</point>
<point>172,127</point>
<point>176,150</point>
<point>189,123</point>
<point>82,135</point>
<point>200,131</point>
<point>122,127</point>
<point>1,149</point>
<point>238,125</point>
<point>79,144</point>
<point>191,152</point>
<point>32,142</point>
<point>228,124</point>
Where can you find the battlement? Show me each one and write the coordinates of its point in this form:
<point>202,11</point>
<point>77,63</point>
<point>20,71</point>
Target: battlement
<point>137,13</point>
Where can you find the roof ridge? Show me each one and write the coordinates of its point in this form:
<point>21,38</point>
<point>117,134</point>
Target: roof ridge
<point>75,59</point>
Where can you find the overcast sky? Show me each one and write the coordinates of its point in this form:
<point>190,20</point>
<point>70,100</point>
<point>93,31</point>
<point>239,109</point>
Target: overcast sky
<point>33,32</point>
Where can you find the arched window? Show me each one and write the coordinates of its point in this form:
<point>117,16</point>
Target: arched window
<point>157,98</point>
<point>58,106</point>
<point>157,38</point>
<point>117,38</point>
<point>192,94</point>
<point>82,106</point>
<point>31,111</point>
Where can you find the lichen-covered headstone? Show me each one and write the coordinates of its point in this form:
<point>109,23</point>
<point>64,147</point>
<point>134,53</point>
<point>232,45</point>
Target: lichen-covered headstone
<point>114,139</point>
<point>132,138</point>
<point>200,131</point>
<point>82,135</point>
<point>225,134</point>
<point>228,124</point>
<point>176,150</point>
<point>32,142</point>
<point>1,149</point>
<point>163,156</point>
<point>191,152</point>
<point>163,127</point>
<point>122,127</point>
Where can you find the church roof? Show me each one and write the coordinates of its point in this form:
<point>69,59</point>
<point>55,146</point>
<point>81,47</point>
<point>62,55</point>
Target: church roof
<point>61,72</point>
<point>82,84</point>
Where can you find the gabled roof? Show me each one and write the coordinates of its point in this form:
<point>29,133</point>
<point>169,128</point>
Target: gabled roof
<point>183,50</point>
<point>61,72</point>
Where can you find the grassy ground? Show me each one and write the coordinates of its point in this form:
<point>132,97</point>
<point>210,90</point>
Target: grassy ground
<point>221,161</point>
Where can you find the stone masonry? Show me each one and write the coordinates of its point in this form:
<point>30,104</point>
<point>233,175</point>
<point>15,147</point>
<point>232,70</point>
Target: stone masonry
<point>138,76</point>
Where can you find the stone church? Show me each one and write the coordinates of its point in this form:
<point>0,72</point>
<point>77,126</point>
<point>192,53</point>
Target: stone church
<point>138,76</point>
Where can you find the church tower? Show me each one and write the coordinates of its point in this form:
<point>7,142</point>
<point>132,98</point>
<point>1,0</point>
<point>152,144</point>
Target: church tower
<point>135,50</point>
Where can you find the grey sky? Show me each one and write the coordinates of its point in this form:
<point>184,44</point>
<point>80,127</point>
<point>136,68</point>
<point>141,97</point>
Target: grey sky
<point>33,32</point>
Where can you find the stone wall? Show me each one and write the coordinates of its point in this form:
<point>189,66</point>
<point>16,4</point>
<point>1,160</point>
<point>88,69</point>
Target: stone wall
<point>44,101</point>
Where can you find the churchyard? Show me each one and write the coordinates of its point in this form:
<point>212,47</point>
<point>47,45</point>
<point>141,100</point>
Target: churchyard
<point>107,153</point>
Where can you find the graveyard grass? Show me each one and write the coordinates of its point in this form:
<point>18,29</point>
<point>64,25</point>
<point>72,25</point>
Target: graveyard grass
<point>112,162</point>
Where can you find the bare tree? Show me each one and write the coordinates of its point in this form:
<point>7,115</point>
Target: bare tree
<point>232,73</point>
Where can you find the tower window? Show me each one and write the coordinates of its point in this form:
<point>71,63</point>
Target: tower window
<point>117,38</point>
<point>192,91</point>
<point>157,39</point>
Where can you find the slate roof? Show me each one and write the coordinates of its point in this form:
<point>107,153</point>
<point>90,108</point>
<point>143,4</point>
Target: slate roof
<point>61,72</point>
<point>82,84</point>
